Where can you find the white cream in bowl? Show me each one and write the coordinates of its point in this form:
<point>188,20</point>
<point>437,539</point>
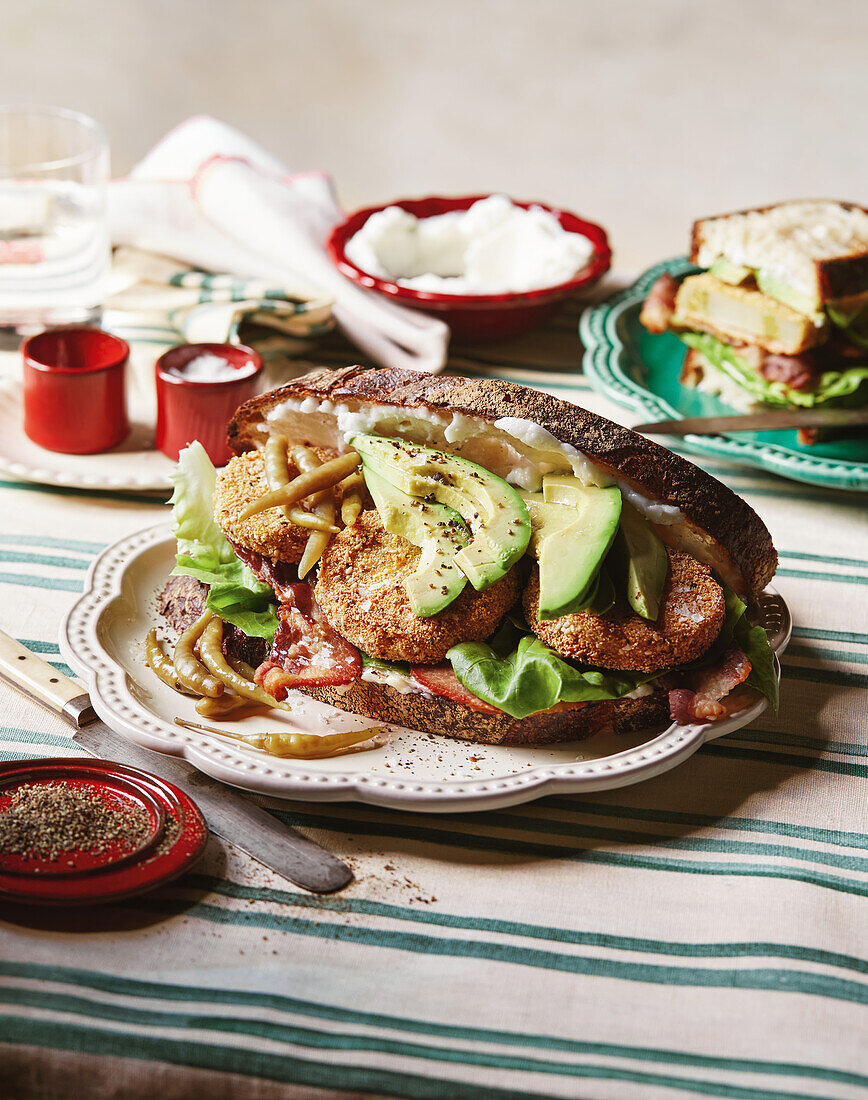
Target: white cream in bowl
<point>495,247</point>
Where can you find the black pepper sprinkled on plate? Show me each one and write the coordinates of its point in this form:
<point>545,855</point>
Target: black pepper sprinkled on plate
<point>46,819</point>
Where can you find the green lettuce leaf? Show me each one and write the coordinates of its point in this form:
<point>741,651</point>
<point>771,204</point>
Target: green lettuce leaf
<point>515,672</point>
<point>754,641</point>
<point>853,323</point>
<point>403,667</point>
<point>204,553</point>
<point>527,677</point>
<point>833,385</point>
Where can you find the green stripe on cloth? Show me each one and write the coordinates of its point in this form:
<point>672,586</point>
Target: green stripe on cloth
<point>830,635</point>
<point>578,804</point>
<point>36,737</point>
<point>822,653</point>
<point>287,1068</point>
<point>39,646</point>
<point>511,846</point>
<point>59,584</point>
<point>65,491</point>
<point>811,575</point>
<point>841,678</point>
<point>540,831</point>
<point>341,1077</point>
<point>845,748</point>
<point>531,931</point>
<point>16,556</point>
<point>860,563</point>
<point>270,1003</point>
<point>768,979</point>
<point>786,759</point>
<point>53,543</point>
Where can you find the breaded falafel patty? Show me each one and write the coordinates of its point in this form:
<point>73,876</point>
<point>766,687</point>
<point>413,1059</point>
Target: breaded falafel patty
<point>269,533</point>
<point>361,593</point>
<point>691,614</point>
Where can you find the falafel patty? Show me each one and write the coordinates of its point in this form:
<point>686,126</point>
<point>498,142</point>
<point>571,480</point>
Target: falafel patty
<point>269,533</point>
<point>691,614</point>
<point>361,593</point>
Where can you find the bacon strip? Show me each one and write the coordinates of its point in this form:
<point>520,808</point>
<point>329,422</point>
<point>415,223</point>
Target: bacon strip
<point>659,306</point>
<point>307,651</point>
<point>280,575</point>
<point>700,699</point>
<point>799,372</point>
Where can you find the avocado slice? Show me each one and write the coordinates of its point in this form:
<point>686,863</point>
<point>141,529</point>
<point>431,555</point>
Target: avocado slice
<point>494,512</point>
<point>727,272</point>
<point>436,529</point>
<point>642,563</point>
<point>783,292</point>
<point>574,525</point>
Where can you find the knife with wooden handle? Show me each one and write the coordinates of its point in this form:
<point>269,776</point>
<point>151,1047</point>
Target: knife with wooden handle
<point>772,421</point>
<point>228,813</point>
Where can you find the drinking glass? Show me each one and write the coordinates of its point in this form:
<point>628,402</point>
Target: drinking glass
<point>54,243</point>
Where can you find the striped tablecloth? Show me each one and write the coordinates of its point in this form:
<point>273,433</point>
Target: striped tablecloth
<point>702,934</point>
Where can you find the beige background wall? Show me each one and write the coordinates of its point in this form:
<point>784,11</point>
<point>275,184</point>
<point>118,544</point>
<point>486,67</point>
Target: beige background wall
<point>637,114</point>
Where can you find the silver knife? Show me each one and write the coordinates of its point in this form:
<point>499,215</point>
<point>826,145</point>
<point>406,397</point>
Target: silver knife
<point>757,422</point>
<point>229,814</point>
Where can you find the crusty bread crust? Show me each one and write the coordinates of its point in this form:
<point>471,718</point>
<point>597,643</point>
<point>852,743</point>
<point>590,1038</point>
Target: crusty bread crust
<point>719,527</point>
<point>435,714</point>
<point>836,278</point>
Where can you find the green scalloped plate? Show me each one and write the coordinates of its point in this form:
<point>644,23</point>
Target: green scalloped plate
<point>640,371</point>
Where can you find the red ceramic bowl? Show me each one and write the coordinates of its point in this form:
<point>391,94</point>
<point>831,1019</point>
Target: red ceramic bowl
<point>476,316</point>
<point>189,409</point>
<point>74,400</point>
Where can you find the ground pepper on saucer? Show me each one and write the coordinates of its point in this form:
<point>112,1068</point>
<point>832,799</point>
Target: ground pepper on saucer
<point>46,819</point>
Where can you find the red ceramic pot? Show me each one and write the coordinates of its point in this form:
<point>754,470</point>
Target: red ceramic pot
<point>477,316</point>
<point>190,406</point>
<point>74,399</point>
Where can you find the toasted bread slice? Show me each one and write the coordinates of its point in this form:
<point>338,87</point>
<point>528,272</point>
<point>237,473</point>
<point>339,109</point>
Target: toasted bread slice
<point>520,433</point>
<point>816,248</point>
<point>436,714</point>
<point>739,315</point>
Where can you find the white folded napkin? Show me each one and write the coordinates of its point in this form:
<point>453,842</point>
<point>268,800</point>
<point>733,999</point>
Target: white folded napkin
<point>209,196</point>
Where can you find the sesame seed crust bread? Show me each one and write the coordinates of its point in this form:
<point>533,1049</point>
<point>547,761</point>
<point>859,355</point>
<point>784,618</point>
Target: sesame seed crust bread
<point>436,714</point>
<point>716,526</point>
<point>833,276</point>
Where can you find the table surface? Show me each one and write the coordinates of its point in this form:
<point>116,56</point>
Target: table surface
<point>699,934</point>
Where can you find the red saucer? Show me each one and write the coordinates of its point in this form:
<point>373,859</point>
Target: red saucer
<point>175,838</point>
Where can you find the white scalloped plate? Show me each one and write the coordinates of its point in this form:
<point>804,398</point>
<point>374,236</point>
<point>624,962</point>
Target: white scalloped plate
<point>133,466</point>
<point>102,638</point>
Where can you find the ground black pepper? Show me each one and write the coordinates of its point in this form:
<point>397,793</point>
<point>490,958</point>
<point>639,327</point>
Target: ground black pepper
<point>47,819</point>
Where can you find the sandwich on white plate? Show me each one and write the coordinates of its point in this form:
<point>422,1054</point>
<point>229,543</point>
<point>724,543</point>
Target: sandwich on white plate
<point>779,316</point>
<point>464,557</point>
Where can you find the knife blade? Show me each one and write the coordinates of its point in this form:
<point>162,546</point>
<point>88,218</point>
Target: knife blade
<point>229,813</point>
<point>775,420</point>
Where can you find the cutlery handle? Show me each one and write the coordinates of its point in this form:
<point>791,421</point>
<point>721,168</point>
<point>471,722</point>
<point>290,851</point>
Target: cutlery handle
<point>45,684</point>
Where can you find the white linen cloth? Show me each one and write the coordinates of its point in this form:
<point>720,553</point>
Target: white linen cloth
<point>210,196</point>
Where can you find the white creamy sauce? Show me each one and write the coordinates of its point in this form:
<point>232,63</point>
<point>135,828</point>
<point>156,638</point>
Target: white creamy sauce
<point>518,450</point>
<point>406,685</point>
<point>495,247</point>
<point>640,692</point>
<point>652,510</point>
<point>547,454</point>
